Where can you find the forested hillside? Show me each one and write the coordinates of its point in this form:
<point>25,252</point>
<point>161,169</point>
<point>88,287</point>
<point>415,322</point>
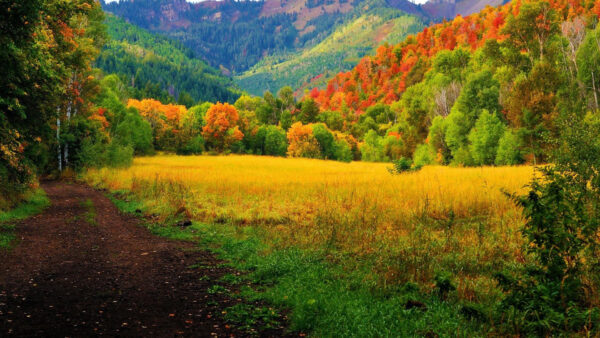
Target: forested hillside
<point>482,89</point>
<point>235,35</point>
<point>340,51</point>
<point>160,68</point>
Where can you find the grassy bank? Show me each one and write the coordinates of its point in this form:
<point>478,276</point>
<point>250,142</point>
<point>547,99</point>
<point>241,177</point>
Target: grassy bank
<point>33,204</point>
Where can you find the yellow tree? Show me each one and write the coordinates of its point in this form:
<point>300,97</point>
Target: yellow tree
<point>302,142</point>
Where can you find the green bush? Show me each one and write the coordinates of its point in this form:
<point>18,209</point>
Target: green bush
<point>555,292</point>
<point>194,147</point>
<point>424,155</point>
<point>343,152</point>
<point>275,141</point>
<point>403,165</point>
<point>372,149</point>
<point>136,133</point>
<point>326,141</point>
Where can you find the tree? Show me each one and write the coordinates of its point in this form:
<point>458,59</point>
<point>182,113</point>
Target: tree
<point>481,92</point>
<point>275,141</point>
<point>588,62</point>
<point>532,29</point>
<point>424,155</point>
<point>221,129</point>
<point>326,141</point>
<point>372,148</point>
<point>509,149</point>
<point>484,138</point>
<point>136,133</point>
<point>308,112</point>
<point>302,142</point>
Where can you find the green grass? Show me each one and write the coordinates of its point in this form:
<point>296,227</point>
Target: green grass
<point>325,294</point>
<point>90,213</point>
<point>34,203</point>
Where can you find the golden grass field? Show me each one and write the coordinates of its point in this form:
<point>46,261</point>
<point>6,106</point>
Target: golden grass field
<point>412,225</point>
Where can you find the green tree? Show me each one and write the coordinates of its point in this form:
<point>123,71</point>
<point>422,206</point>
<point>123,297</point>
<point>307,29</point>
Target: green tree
<point>424,155</point>
<point>588,63</point>
<point>484,138</point>
<point>372,148</point>
<point>136,133</point>
<point>308,111</point>
<point>326,141</point>
<point>509,149</point>
<point>532,29</point>
<point>275,141</point>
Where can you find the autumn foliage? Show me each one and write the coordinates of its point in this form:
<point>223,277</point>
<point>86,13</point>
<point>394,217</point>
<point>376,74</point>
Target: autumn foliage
<point>222,129</point>
<point>384,77</point>
<point>302,142</point>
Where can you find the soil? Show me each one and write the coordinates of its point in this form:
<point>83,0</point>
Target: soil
<point>69,277</point>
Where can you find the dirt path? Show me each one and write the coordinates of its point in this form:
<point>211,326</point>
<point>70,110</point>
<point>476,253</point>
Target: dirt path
<point>71,277</point>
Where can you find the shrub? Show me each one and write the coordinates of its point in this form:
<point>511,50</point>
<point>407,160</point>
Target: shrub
<point>557,290</point>
<point>424,155</point>
<point>136,133</point>
<point>403,165</point>
<point>194,147</point>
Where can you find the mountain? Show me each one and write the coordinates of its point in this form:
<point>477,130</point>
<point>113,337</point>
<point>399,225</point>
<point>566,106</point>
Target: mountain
<point>235,35</point>
<point>273,43</point>
<point>159,67</point>
<point>448,9</point>
<point>340,51</point>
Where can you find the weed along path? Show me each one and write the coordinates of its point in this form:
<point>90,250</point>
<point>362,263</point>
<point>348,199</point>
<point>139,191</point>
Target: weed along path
<point>82,268</point>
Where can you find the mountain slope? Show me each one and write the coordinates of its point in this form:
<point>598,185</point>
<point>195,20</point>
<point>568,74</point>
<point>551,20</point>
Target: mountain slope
<point>160,67</point>
<point>338,52</point>
<point>235,35</point>
<point>274,43</point>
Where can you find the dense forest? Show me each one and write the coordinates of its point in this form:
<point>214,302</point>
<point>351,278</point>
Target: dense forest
<point>478,90</point>
<point>361,32</point>
<point>160,68</point>
<point>232,35</point>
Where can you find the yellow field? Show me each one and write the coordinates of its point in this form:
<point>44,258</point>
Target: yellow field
<point>456,219</point>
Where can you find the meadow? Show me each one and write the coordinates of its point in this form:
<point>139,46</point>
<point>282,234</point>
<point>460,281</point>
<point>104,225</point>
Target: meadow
<point>410,227</point>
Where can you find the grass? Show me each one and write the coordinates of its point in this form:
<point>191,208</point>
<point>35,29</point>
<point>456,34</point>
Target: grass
<point>90,213</point>
<point>33,204</point>
<point>348,248</point>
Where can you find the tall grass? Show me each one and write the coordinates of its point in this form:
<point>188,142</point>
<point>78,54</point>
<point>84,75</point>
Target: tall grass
<point>411,227</point>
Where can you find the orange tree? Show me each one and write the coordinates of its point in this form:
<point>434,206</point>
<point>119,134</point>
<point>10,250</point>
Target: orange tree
<point>222,129</point>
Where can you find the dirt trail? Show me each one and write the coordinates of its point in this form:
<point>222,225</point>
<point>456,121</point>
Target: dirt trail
<point>70,277</point>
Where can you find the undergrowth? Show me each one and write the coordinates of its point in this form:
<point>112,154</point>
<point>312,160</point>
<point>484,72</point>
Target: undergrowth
<point>33,204</point>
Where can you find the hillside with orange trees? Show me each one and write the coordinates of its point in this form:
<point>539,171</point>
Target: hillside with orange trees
<point>521,62</point>
<point>384,76</point>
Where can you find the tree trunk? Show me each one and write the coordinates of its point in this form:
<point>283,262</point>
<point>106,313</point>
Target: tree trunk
<point>594,89</point>
<point>58,141</point>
